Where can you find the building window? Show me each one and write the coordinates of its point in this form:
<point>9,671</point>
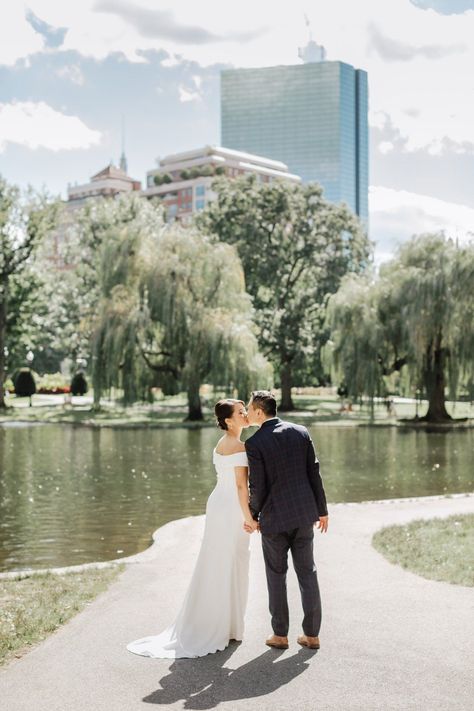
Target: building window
<point>151,181</point>
<point>200,190</point>
<point>200,204</point>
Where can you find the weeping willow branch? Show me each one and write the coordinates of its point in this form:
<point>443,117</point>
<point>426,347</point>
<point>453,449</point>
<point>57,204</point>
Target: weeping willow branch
<point>159,368</point>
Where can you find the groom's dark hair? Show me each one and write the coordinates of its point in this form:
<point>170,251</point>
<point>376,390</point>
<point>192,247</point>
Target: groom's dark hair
<point>265,400</point>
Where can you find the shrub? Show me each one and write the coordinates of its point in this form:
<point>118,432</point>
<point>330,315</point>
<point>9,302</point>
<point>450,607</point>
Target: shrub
<point>220,170</point>
<point>207,170</point>
<point>342,390</point>
<point>25,385</point>
<point>161,178</point>
<point>79,384</point>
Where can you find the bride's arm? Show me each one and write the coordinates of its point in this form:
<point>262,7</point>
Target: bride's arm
<point>242,482</point>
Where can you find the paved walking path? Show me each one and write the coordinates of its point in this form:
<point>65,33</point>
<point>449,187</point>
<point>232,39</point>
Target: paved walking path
<point>389,640</point>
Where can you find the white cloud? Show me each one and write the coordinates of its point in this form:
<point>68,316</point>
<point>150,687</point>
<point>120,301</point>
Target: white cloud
<point>186,95</point>
<point>172,61</point>
<point>38,125</point>
<point>72,72</point>
<point>191,94</point>
<point>396,215</point>
<point>385,147</point>
<point>378,119</point>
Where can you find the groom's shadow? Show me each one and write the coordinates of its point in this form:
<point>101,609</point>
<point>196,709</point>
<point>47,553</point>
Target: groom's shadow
<point>204,683</point>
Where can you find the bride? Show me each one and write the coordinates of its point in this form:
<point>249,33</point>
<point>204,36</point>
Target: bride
<point>213,609</point>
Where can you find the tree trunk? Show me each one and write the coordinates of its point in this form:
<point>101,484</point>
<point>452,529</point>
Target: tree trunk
<point>3,328</point>
<point>194,401</point>
<point>435,384</point>
<point>96,383</point>
<point>286,384</point>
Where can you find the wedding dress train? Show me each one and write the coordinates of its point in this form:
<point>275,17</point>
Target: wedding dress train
<point>213,609</point>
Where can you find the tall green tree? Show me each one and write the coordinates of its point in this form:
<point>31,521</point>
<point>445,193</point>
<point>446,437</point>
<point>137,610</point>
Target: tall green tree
<point>24,220</point>
<point>174,312</point>
<point>295,248</point>
<point>418,314</point>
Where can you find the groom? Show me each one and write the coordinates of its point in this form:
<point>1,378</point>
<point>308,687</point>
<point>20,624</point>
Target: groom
<point>286,500</point>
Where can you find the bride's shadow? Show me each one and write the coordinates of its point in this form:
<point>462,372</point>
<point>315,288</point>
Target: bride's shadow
<point>204,683</point>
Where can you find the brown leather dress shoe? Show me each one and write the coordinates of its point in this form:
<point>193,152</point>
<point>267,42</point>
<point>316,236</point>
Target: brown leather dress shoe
<point>310,642</point>
<point>277,642</point>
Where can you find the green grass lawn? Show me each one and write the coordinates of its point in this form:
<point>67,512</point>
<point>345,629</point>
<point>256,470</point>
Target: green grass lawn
<point>438,549</point>
<point>33,607</point>
<point>171,411</point>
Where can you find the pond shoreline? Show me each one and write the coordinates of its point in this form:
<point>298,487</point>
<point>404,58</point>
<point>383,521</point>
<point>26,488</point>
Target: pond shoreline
<point>149,553</point>
<point>203,424</point>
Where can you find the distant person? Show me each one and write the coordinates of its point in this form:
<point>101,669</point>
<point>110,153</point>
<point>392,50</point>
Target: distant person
<point>286,499</point>
<point>213,610</point>
<point>346,406</point>
<point>389,404</point>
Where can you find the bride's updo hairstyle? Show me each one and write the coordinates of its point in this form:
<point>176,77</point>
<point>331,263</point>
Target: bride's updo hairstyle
<point>225,409</point>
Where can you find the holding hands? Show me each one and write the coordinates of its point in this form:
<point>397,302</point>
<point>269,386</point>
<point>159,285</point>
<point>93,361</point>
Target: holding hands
<point>250,525</point>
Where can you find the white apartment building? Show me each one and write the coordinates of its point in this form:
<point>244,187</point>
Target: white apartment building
<point>183,180</point>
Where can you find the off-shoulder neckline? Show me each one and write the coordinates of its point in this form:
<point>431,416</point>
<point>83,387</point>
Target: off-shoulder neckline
<point>228,455</point>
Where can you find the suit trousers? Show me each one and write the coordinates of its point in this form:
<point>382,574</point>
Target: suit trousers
<point>275,553</point>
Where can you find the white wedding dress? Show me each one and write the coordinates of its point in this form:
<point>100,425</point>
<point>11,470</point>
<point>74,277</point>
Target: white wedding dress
<point>213,609</point>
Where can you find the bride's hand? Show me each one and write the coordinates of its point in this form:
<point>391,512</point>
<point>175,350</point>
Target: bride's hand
<point>250,526</point>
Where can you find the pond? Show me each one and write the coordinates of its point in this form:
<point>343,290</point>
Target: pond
<point>72,495</point>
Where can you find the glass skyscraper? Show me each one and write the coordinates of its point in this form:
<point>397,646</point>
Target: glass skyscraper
<point>311,116</point>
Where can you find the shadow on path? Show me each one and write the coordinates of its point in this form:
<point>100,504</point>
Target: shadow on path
<point>204,683</point>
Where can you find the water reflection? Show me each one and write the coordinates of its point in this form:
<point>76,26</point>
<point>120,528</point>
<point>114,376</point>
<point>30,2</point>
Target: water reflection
<point>70,495</point>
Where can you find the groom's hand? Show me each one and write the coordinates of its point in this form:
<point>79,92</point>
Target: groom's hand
<point>323,523</point>
<point>250,527</point>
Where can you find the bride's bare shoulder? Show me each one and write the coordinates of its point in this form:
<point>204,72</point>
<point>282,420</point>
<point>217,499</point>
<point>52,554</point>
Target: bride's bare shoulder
<point>227,446</point>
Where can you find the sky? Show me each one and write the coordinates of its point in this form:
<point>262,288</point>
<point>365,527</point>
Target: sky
<point>69,71</point>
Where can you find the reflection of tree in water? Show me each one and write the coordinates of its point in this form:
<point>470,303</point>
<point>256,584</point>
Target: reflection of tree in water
<point>205,683</point>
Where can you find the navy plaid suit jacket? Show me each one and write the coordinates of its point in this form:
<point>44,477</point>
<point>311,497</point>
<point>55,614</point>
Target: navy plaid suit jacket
<point>286,489</point>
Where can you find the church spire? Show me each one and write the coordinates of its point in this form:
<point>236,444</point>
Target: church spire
<point>123,158</point>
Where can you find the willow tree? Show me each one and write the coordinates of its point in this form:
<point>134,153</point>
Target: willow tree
<point>174,310</point>
<point>417,315</point>
<point>295,248</point>
<point>95,228</point>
